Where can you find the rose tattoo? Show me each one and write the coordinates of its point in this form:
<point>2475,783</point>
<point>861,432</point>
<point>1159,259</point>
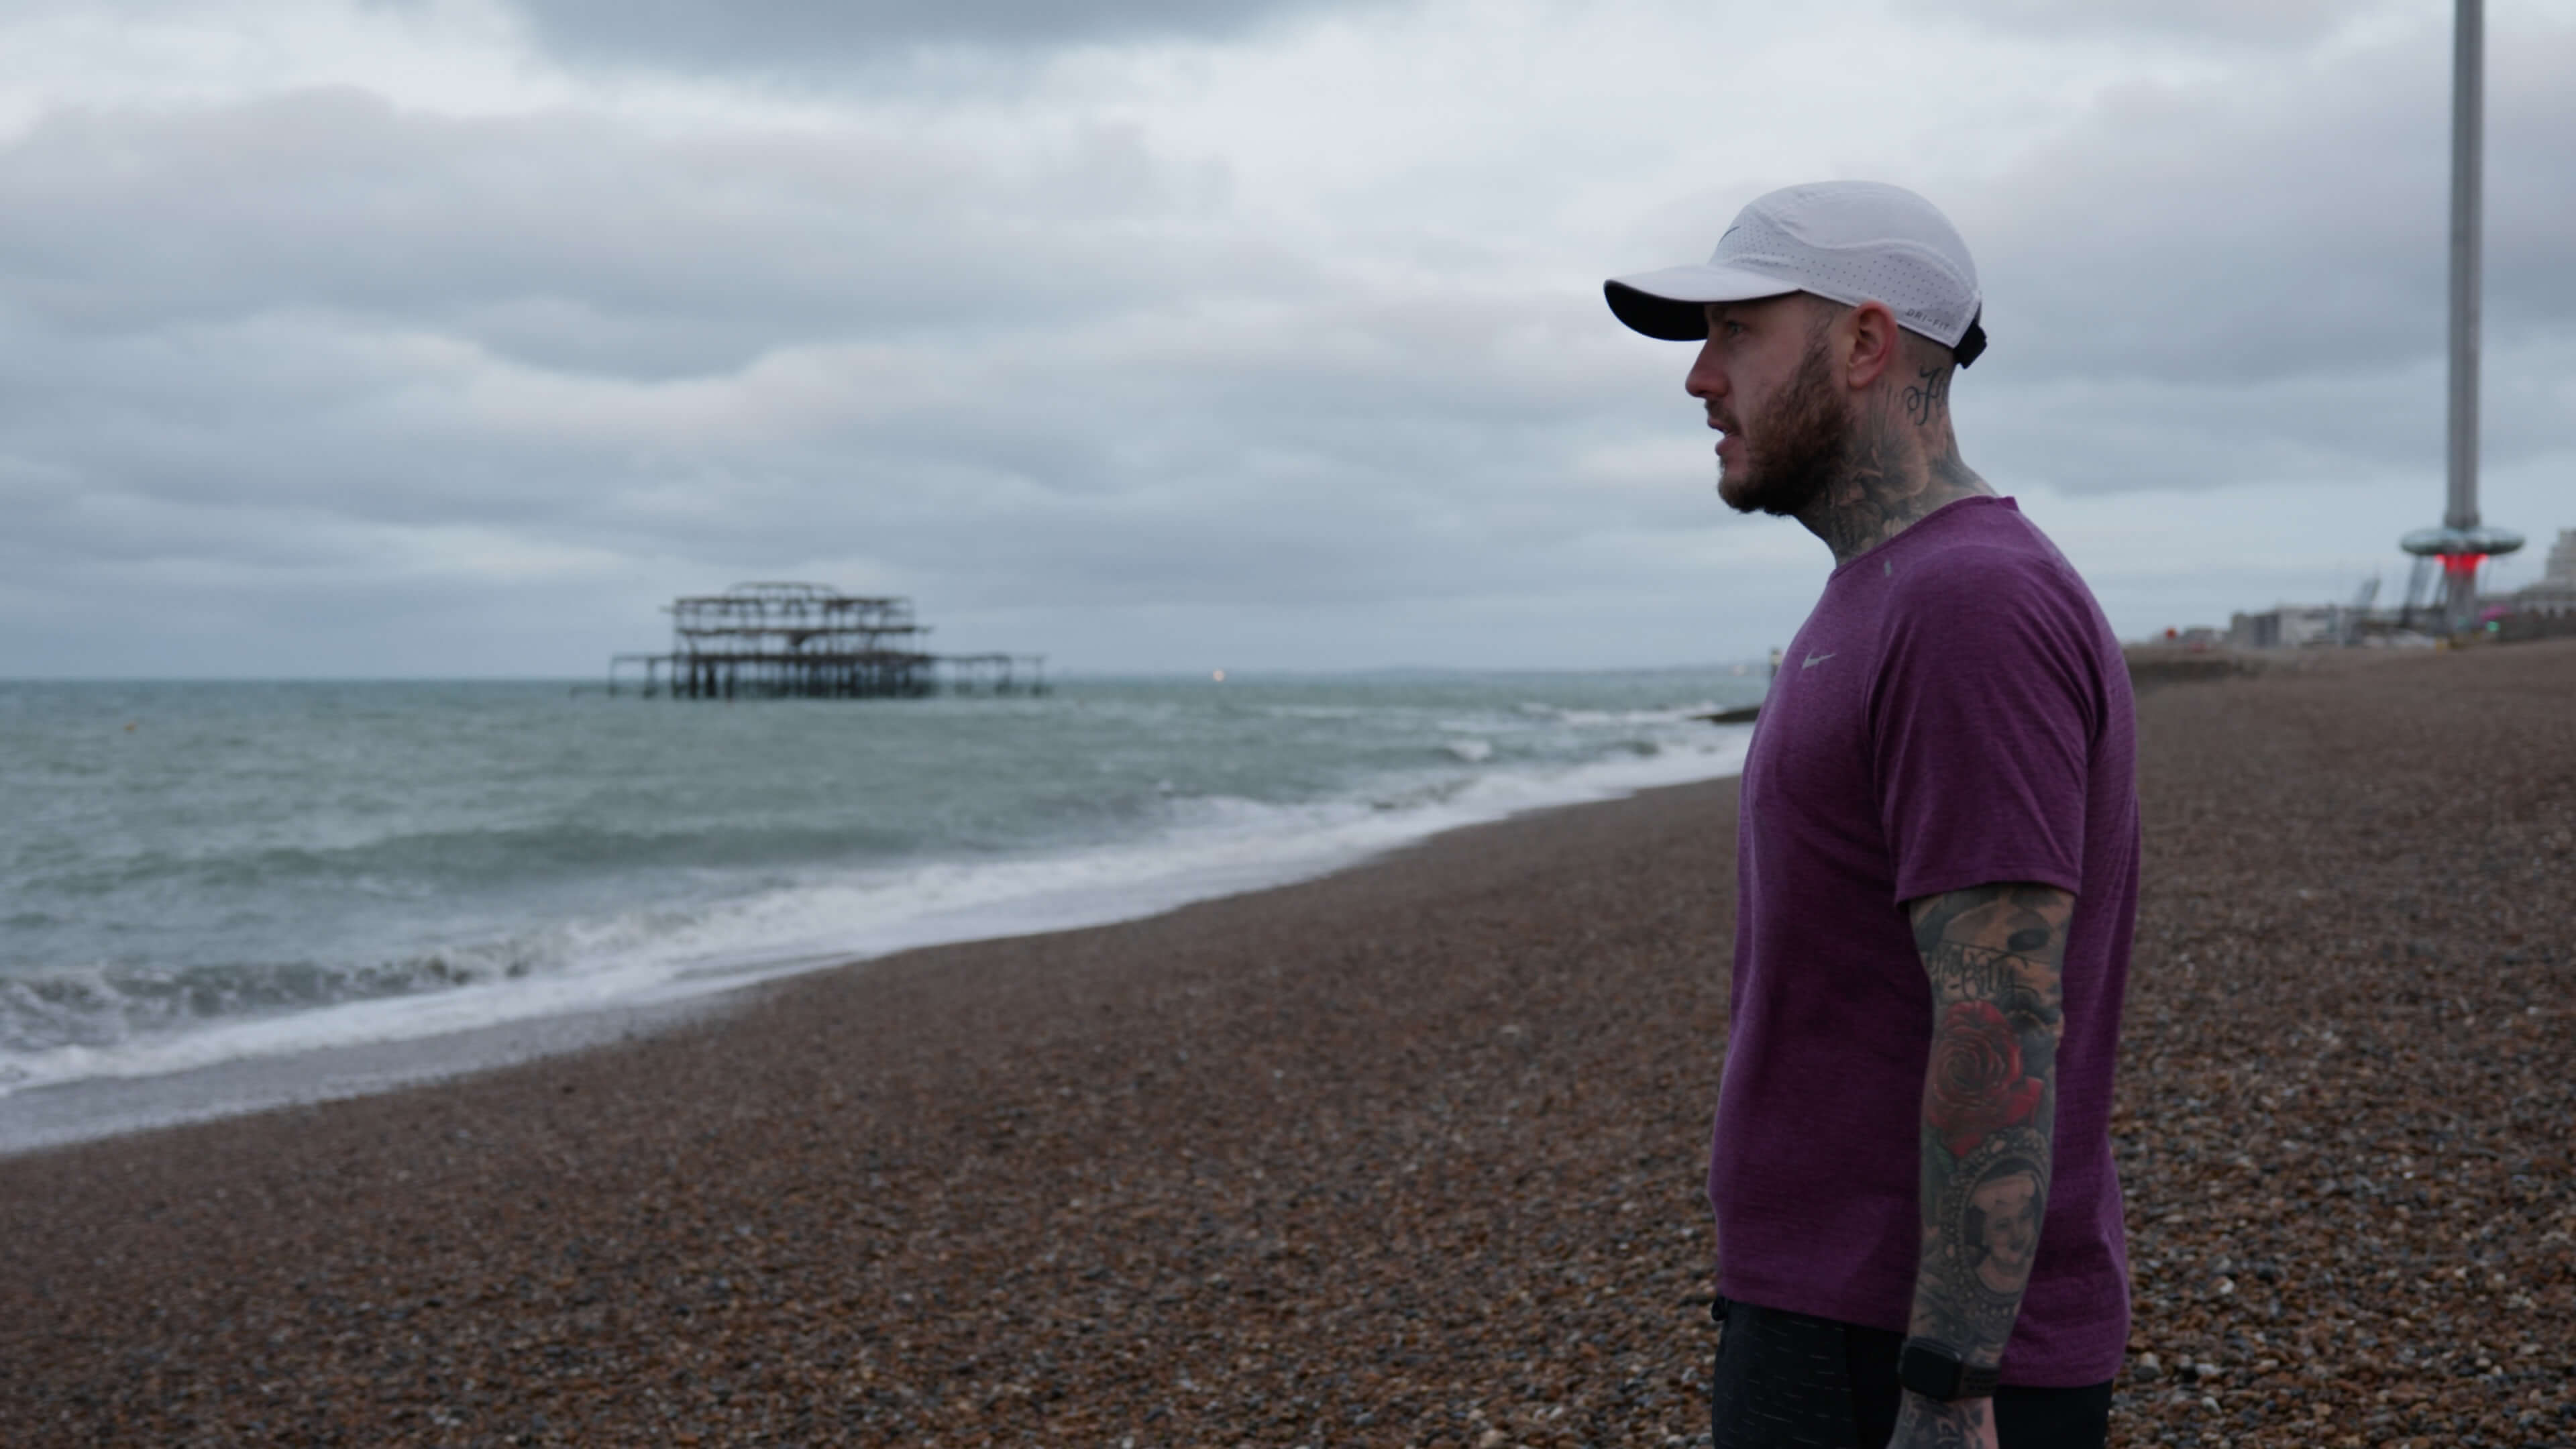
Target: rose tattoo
<point>1976,1080</point>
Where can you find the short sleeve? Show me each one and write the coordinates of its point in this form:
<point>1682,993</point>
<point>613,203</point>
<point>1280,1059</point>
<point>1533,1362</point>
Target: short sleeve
<point>1983,715</point>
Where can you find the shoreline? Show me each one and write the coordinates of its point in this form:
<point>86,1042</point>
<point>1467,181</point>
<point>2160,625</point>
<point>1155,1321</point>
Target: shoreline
<point>98,1108</point>
<point>1410,1153</point>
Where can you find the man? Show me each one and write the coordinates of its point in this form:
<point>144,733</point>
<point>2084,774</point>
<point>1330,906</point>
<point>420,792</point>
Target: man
<point>1937,873</point>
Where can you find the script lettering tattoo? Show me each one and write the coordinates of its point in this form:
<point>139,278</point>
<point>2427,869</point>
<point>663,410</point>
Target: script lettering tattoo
<point>1993,956</point>
<point>1960,971</point>
<point>1928,396</point>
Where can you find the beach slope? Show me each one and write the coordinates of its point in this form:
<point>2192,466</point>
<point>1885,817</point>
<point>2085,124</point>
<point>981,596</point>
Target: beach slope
<point>1411,1154</point>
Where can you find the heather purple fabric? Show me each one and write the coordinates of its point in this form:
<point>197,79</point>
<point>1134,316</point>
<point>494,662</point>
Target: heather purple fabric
<point>1954,713</point>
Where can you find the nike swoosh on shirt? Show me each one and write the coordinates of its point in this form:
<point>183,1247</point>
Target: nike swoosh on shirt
<point>1815,659</point>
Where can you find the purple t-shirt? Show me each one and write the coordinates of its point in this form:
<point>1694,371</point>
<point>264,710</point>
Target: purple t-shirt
<point>1954,713</point>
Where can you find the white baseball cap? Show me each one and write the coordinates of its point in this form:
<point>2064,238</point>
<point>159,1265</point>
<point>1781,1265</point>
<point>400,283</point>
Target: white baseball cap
<point>1847,241</point>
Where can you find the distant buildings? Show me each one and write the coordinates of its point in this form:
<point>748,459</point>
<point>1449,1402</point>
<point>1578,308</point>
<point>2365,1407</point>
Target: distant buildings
<point>2544,608</point>
<point>2555,595</point>
<point>2291,626</point>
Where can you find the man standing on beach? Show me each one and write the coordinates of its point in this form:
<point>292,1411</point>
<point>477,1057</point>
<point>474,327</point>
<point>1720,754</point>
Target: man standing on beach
<point>1919,1225</point>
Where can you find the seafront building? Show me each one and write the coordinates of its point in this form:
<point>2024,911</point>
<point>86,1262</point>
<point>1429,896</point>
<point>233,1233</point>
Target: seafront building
<point>2290,626</point>
<point>2547,607</point>
<point>2555,595</point>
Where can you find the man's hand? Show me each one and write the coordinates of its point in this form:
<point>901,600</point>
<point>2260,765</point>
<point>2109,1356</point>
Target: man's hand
<point>1964,1424</point>
<point>1994,955</point>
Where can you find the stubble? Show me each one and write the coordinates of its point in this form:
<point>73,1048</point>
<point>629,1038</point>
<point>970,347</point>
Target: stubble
<point>1799,447</point>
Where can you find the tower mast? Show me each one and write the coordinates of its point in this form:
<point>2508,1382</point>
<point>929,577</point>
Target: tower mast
<point>2468,196</point>
<point>2462,543</point>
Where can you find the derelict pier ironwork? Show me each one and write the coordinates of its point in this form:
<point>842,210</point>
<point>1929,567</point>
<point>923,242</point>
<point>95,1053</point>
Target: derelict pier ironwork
<point>810,641</point>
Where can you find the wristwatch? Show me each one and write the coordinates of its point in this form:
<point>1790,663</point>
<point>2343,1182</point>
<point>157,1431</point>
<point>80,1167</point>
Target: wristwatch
<point>1932,1370</point>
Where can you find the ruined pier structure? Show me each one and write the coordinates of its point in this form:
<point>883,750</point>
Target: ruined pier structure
<point>808,641</point>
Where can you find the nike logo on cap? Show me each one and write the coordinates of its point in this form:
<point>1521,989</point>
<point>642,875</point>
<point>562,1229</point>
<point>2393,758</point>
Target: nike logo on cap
<point>1815,659</point>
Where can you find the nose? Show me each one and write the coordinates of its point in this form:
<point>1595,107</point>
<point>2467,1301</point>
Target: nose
<point>1707,377</point>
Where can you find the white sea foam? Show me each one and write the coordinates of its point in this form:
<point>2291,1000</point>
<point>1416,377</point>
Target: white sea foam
<point>651,959</point>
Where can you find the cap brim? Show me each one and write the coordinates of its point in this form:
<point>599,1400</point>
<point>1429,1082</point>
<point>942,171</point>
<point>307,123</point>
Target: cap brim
<point>1673,304</point>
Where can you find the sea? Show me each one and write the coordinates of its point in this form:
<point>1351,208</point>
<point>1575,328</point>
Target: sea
<point>197,876</point>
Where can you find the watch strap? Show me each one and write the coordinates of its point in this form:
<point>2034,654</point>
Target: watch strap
<point>1934,1371</point>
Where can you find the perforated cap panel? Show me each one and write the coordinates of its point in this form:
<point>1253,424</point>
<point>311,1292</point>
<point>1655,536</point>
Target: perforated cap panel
<point>1850,241</point>
<point>1861,241</point>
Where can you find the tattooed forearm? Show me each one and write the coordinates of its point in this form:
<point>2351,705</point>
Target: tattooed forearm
<point>1993,955</point>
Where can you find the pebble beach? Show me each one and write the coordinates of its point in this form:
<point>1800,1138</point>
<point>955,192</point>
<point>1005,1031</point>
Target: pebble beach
<point>1408,1155</point>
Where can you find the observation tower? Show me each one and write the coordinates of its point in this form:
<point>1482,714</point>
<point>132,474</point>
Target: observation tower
<point>2462,543</point>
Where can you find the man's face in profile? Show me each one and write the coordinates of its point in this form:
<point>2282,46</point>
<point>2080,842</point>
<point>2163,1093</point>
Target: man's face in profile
<point>1766,379</point>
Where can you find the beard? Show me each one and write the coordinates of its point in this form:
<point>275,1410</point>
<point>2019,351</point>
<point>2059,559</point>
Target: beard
<point>1797,448</point>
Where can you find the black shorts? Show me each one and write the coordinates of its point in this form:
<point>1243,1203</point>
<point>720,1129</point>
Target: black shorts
<point>1788,1381</point>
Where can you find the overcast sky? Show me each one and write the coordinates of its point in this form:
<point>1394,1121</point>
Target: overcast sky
<point>448,337</point>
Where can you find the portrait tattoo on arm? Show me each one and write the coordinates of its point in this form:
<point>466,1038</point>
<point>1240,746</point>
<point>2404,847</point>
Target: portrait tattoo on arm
<point>1994,956</point>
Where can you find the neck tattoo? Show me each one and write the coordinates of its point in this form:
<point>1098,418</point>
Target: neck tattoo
<point>1887,487</point>
<point>1929,395</point>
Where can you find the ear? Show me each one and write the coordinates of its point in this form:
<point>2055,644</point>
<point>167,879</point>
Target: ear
<point>1875,343</point>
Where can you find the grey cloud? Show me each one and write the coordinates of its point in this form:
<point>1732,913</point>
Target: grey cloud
<point>319,358</point>
<point>570,243</point>
<point>276,353</point>
<point>2261,22</point>
<point>2220,282</point>
<point>2290,219</point>
<point>806,38</point>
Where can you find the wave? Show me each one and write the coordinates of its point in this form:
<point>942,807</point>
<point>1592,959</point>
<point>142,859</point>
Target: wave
<point>108,1020</point>
<point>435,861</point>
